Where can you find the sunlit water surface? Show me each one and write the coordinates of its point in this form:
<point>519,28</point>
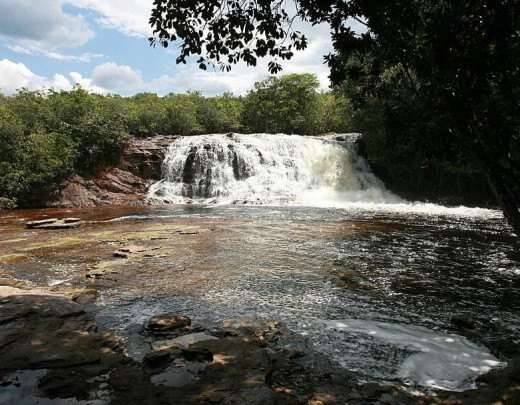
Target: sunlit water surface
<point>374,288</point>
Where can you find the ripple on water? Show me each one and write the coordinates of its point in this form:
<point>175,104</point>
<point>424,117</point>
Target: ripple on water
<point>402,276</point>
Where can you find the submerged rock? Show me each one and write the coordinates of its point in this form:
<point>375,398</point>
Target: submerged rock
<point>167,323</point>
<point>13,258</point>
<point>463,321</point>
<point>161,358</point>
<point>126,251</point>
<point>40,222</point>
<point>120,254</point>
<point>54,223</point>
<point>183,342</point>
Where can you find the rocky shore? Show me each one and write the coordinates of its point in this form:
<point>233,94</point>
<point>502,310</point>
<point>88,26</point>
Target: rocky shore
<point>52,348</point>
<point>55,335</point>
<point>123,184</point>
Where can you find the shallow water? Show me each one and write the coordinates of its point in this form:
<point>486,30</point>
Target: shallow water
<point>395,277</point>
<point>308,266</point>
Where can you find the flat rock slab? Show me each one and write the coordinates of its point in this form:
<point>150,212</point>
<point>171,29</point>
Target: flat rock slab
<point>54,223</point>
<point>71,220</point>
<point>183,342</point>
<point>7,291</point>
<point>126,251</point>
<point>44,331</point>
<point>35,224</point>
<point>133,249</point>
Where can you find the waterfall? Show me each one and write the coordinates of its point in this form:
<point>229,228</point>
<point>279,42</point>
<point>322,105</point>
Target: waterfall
<point>267,169</point>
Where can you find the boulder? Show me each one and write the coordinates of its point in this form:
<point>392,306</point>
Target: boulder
<point>144,157</point>
<point>112,186</point>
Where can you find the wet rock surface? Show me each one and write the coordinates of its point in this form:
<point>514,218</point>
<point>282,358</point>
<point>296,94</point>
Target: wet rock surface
<point>239,362</point>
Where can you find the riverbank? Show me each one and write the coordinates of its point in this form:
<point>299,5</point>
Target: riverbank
<point>51,348</point>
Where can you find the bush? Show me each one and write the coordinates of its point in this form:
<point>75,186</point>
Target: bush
<point>39,166</point>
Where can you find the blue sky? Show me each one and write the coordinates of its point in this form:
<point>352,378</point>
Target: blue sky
<point>102,45</point>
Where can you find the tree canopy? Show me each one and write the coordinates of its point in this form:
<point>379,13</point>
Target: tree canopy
<point>455,63</point>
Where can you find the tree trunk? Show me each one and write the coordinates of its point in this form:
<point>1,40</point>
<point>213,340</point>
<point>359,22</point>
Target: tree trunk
<point>509,200</point>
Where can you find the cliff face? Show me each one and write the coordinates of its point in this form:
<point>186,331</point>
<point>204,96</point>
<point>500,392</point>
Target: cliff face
<point>124,184</point>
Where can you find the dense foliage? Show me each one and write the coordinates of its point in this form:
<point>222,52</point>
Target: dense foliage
<point>447,78</point>
<point>47,136</point>
<point>292,104</point>
<point>438,81</point>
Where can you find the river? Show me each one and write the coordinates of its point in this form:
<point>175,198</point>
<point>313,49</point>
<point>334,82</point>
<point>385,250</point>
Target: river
<point>419,294</point>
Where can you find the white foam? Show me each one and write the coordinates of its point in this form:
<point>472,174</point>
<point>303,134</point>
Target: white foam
<point>288,169</point>
<point>438,360</point>
<point>284,170</point>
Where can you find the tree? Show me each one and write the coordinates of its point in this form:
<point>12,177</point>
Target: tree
<point>147,114</point>
<point>460,59</point>
<point>181,114</point>
<point>287,104</point>
<point>221,114</point>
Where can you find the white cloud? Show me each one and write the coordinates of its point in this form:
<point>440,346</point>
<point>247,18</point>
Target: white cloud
<point>117,78</point>
<point>41,27</point>
<point>31,50</point>
<point>14,76</point>
<point>106,78</point>
<point>311,60</point>
<point>42,24</point>
<point>242,77</point>
<point>123,79</point>
<point>86,83</point>
<point>127,16</point>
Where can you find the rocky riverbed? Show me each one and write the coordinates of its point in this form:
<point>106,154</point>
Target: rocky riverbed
<point>117,311</point>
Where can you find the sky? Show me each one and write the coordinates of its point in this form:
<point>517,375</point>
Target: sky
<point>102,45</point>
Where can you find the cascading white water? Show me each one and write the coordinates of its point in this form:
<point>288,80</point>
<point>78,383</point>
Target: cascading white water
<point>267,169</point>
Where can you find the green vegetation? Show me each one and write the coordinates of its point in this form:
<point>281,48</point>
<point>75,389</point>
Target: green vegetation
<point>445,82</point>
<point>47,136</point>
<point>292,104</point>
<point>426,167</point>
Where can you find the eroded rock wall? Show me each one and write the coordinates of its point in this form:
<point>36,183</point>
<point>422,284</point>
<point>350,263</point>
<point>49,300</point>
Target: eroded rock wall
<point>124,184</point>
